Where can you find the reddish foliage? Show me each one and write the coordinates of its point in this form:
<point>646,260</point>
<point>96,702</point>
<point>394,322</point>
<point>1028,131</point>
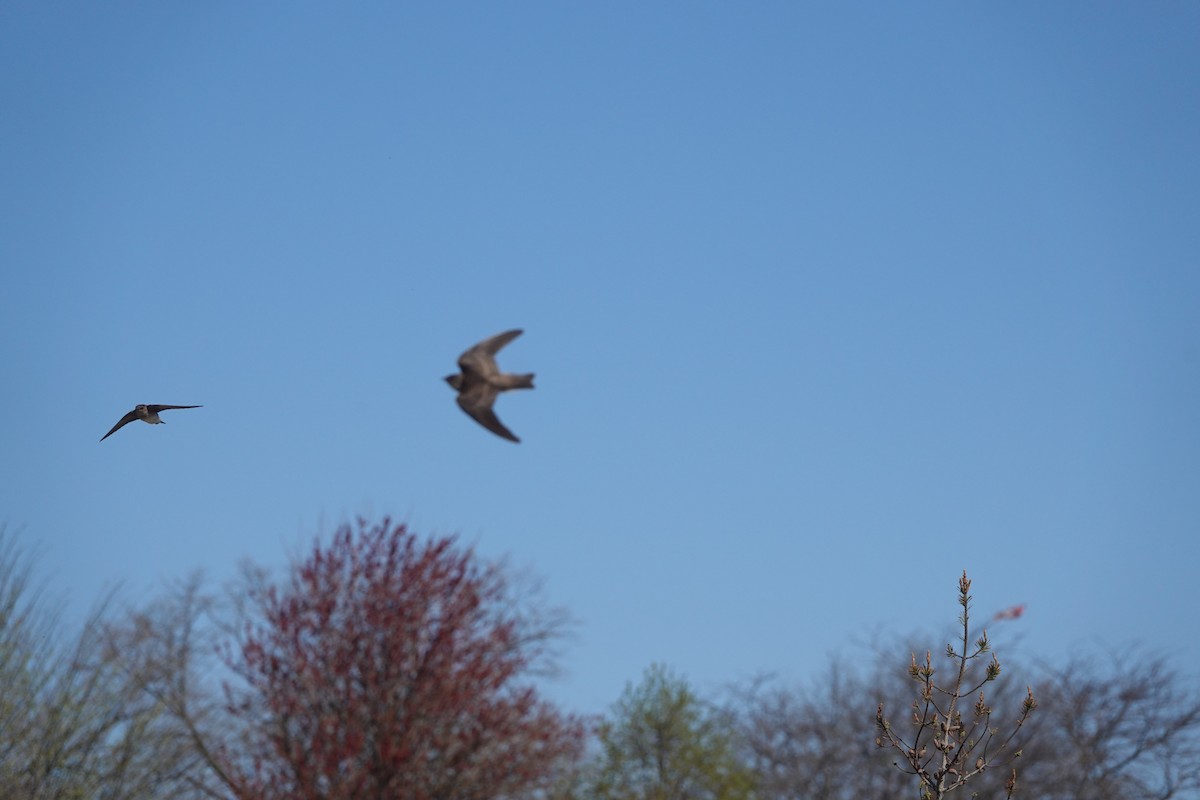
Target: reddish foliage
<point>392,668</point>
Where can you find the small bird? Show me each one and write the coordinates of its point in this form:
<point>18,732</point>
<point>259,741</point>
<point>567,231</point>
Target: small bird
<point>1012,612</point>
<point>481,380</point>
<point>143,412</point>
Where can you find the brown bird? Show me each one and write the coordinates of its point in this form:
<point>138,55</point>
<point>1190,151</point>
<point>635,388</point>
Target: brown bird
<point>143,412</point>
<point>481,381</point>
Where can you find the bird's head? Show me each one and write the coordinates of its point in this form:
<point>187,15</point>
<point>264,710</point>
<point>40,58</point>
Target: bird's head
<point>455,381</point>
<point>140,408</point>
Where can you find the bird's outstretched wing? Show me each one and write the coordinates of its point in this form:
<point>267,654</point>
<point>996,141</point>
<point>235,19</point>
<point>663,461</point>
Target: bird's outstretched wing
<point>481,359</point>
<point>477,402</point>
<point>125,420</point>
<point>156,409</point>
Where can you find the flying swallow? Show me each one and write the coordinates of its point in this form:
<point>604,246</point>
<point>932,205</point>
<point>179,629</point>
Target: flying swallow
<point>143,412</point>
<point>481,381</point>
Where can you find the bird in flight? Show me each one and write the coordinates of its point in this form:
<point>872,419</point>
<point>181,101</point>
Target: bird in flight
<point>1012,612</point>
<point>481,381</point>
<point>143,412</point>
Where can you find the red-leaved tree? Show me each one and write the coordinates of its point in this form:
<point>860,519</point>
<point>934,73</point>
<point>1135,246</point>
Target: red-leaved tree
<point>389,667</point>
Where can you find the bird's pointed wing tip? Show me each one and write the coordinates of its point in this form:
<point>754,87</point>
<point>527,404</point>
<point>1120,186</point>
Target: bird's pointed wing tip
<point>485,415</point>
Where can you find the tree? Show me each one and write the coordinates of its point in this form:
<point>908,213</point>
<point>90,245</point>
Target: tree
<point>391,668</point>
<point>1125,727</point>
<point>170,650</point>
<point>814,741</point>
<point>1129,730</point>
<point>811,743</point>
<point>948,749</point>
<point>662,743</point>
<point>74,723</point>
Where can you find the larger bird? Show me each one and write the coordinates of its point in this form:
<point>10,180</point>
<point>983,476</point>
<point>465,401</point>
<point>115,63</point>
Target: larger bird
<point>481,381</point>
<point>143,412</point>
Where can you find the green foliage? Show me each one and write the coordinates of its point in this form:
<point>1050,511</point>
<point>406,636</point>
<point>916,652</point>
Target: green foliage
<point>663,743</point>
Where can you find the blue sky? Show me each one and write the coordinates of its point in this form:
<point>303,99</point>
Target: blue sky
<point>827,302</point>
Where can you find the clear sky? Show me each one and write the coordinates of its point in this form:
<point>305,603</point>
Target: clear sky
<point>826,301</point>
